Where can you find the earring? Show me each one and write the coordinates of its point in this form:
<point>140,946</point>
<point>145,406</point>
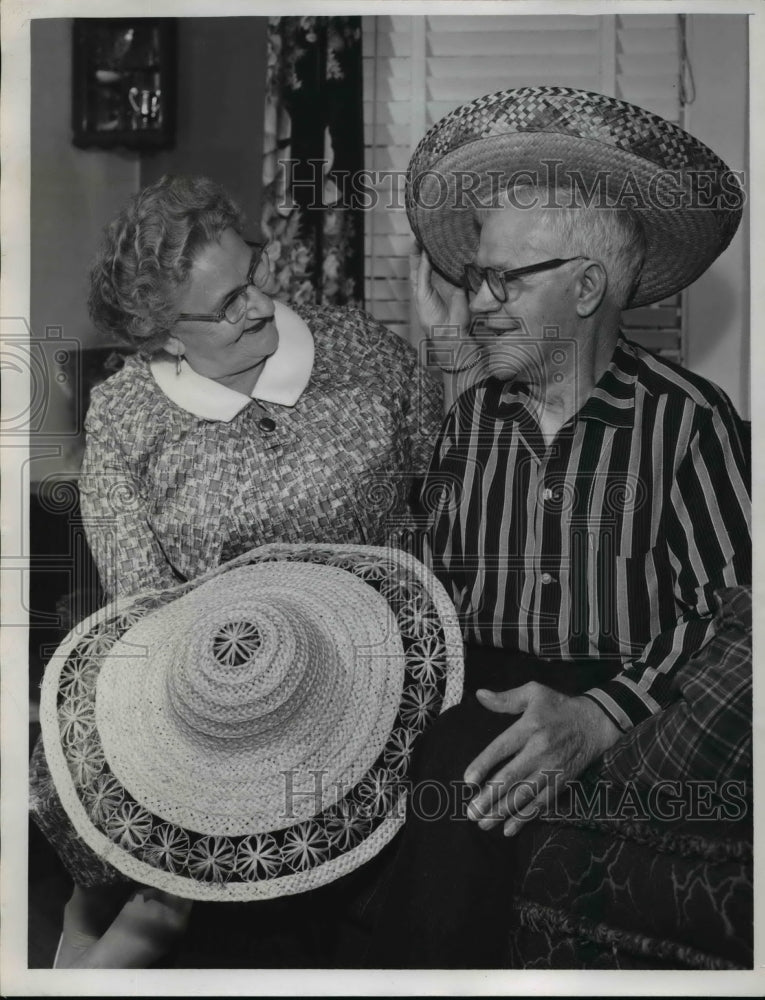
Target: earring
<point>178,360</point>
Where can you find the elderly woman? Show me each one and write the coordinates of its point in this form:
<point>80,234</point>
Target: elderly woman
<point>239,421</point>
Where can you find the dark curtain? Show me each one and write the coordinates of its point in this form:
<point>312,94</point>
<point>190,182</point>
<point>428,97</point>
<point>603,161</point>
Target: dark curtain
<point>314,144</point>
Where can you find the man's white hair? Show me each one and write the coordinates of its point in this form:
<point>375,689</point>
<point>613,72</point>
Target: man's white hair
<point>612,236</point>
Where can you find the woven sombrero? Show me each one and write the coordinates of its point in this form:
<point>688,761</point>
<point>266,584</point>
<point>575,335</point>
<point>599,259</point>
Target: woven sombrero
<point>248,735</point>
<point>689,201</point>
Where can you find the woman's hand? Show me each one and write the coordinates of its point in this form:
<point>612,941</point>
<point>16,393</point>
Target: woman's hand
<point>143,931</point>
<point>438,303</point>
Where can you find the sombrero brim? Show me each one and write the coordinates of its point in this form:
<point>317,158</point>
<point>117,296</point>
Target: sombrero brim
<point>263,864</point>
<point>684,232</point>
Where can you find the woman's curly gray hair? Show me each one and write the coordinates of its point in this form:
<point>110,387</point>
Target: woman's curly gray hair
<point>147,254</point>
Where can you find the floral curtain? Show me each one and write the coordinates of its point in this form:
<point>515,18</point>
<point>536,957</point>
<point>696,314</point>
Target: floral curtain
<point>314,144</point>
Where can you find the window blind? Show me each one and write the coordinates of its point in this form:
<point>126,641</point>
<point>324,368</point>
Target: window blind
<point>417,69</point>
<point>647,73</point>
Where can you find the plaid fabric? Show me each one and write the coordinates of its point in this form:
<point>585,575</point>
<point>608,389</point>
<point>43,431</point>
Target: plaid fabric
<point>609,543</point>
<point>706,735</point>
<point>167,495</point>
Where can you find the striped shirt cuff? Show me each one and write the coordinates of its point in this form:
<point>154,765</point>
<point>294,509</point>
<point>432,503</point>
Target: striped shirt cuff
<point>621,704</point>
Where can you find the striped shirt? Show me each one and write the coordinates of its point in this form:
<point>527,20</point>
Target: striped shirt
<point>606,544</point>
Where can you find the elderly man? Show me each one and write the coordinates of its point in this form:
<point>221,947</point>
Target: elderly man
<point>592,496</point>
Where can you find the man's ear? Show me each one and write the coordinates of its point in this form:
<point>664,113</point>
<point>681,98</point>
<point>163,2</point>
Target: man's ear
<point>175,346</point>
<point>591,288</point>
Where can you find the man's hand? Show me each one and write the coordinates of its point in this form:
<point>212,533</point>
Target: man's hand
<point>555,733</point>
<point>438,303</point>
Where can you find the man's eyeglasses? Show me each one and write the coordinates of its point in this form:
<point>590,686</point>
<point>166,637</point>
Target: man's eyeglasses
<point>234,306</point>
<point>498,281</point>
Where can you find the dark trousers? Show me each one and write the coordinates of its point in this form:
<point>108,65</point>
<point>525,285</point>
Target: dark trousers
<point>328,927</point>
<point>447,902</point>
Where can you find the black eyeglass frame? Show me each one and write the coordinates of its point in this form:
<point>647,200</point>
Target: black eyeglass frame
<point>487,274</point>
<point>220,316</point>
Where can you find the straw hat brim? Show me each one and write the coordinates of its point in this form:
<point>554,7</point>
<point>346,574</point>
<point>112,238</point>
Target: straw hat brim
<point>309,849</point>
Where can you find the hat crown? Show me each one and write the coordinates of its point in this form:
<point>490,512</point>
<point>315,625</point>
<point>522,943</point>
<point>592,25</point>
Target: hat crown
<point>237,676</point>
<point>566,110</point>
<point>236,643</point>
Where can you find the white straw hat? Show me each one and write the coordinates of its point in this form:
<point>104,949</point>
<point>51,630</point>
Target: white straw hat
<point>248,735</point>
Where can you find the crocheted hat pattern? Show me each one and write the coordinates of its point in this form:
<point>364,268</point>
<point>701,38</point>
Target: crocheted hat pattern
<point>249,734</point>
<point>599,149</point>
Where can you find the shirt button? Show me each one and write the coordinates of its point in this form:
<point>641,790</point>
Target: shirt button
<point>267,425</point>
<point>547,578</point>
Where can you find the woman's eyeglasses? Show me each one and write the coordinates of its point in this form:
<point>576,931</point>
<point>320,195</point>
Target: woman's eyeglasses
<point>234,306</point>
<point>499,281</point>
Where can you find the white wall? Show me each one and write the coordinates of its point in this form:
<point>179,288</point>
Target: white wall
<point>718,303</point>
<point>74,193</point>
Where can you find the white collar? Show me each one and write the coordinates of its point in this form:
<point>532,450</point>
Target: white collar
<point>283,379</point>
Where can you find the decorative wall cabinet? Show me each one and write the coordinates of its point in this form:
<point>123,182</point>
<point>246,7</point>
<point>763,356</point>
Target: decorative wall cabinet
<point>123,82</point>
